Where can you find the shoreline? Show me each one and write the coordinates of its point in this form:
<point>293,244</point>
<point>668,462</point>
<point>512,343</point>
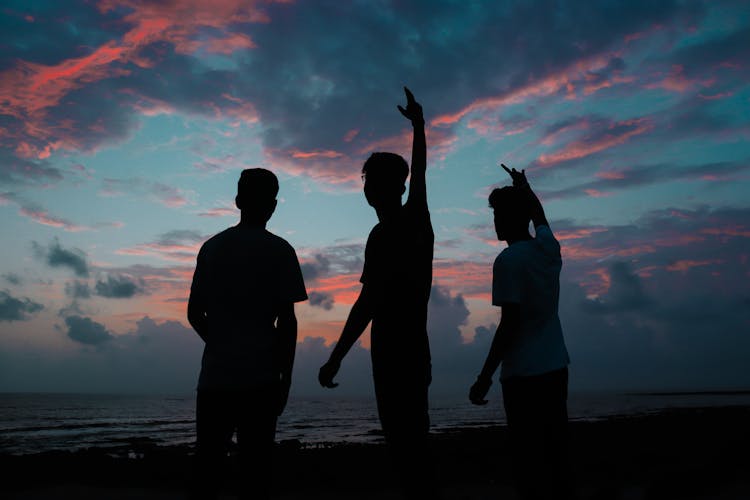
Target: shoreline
<point>675,453</point>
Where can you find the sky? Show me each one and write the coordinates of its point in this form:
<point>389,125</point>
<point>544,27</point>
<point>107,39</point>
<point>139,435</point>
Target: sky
<point>124,125</point>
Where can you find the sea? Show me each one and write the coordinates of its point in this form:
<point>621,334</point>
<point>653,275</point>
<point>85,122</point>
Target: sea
<point>34,423</point>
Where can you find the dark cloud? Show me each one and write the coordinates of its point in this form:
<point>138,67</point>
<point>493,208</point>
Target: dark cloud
<point>77,289</point>
<point>154,357</point>
<point>86,331</point>
<point>118,287</point>
<point>342,258</point>
<point>15,170</point>
<point>625,293</point>
<point>643,175</point>
<point>15,309</point>
<point>12,278</point>
<point>302,92</point>
<point>51,31</point>
<point>316,268</point>
<point>57,256</point>
<point>321,299</point>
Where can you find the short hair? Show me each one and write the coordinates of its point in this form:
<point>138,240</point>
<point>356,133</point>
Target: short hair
<point>257,185</point>
<point>386,166</point>
<point>512,202</point>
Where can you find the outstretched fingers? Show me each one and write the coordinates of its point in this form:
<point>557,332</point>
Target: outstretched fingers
<point>409,95</point>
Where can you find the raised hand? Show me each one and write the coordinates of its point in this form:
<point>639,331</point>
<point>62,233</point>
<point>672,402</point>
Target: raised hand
<point>413,109</point>
<point>326,374</point>
<point>519,178</point>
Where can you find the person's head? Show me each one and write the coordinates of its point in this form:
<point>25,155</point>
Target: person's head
<point>385,179</point>
<point>256,194</point>
<point>511,213</point>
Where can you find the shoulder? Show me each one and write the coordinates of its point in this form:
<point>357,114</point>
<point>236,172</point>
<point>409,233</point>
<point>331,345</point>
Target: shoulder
<point>510,256</point>
<point>546,240</point>
<point>216,241</point>
<point>279,243</point>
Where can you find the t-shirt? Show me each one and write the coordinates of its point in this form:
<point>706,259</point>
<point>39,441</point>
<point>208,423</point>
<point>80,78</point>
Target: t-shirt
<point>243,276</point>
<point>528,273</point>
<point>398,273</point>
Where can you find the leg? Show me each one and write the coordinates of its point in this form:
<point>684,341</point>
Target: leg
<point>215,426</point>
<point>404,416</point>
<point>255,435</point>
<point>536,409</point>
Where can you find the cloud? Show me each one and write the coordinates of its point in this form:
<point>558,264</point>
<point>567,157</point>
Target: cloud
<point>625,292</point>
<point>601,138</point>
<point>12,278</point>
<point>118,287</point>
<point>86,331</point>
<point>41,215</point>
<point>321,299</point>
<point>180,245</point>
<point>77,290</point>
<point>16,309</point>
<point>315,268</point>
<point>166,195</point>
<point>613,180</point>
<point>154,357</point>
<point>89,88</point>
<point>57,256</point>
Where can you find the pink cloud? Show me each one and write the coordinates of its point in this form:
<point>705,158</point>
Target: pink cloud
<point>584,252</point>
<point>350,135</point>
<point>185,252</point>
<point>550,85</point>
<point>591,88</point>
<point>740,231</point>
<point>41,216</point>
<point>676,81</point>
<point>685,265</point>
<point>345,288</point>
<point>585,147</point>
<point>472,279</point>
<point>610,175</point>
<point>596,282</point>
<point>219,212</point>
<point>714,97</point>
<point>28,89</point>
<point>304,155</point>
<point>574,234</point>
<point>595,193</point>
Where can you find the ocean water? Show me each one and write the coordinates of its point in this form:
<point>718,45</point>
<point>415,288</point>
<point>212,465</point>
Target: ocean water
<point>31,423</point>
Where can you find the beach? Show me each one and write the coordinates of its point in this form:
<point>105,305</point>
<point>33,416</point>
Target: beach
<point>685,453</point>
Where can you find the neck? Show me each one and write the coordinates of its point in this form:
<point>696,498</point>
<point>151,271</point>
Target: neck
<point>385,212</point>
<point>519,237</point>
<point>248,222</point>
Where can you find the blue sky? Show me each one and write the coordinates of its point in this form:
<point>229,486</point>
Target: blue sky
<point>124,126</point>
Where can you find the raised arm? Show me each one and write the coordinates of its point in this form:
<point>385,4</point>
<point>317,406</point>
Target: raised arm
<point>535,206</point>
<point>417,182</point>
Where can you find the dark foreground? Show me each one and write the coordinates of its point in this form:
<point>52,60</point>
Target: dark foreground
<point>685,454</point>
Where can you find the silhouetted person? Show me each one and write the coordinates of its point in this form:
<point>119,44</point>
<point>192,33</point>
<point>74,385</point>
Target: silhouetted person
<point>529,343</point>
<point>241,304</point>
<point>396,283</point>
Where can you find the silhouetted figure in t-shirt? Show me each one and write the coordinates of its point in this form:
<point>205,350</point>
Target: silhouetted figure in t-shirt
<point>241,304</point>
<point>396,283</point>
<point>529,343</point>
